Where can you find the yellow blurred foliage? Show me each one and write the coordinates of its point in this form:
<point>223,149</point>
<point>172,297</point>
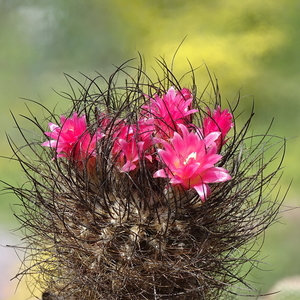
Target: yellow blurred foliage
<point>231,37</point>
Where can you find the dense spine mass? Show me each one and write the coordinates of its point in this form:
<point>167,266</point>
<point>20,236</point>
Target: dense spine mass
<point>144,191</point>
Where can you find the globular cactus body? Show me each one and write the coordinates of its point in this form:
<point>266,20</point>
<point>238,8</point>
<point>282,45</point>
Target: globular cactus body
<point>145,193</point>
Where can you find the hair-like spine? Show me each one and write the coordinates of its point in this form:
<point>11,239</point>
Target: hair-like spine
<point>97,231</point>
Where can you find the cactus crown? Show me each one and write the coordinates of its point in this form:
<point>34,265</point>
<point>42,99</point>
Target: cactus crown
<point>144,190</point>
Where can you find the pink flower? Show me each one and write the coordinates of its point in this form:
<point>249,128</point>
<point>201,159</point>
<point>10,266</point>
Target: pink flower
<point>125,149</point>
<point>219,121</point>
<point>132,142</point>
<point>169,111</point>
<point>72,139</point>
<point>190,161</point>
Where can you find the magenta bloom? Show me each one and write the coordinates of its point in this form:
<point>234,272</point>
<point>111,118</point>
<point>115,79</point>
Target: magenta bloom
<point>126,149</point>
<point>190,161</point>
<point>218,121</point>
<point>72,139</point>
<point>169,111</point>
<point>132,142</point>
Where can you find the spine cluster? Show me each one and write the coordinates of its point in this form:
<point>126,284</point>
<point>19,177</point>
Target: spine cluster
<point>143,191</point>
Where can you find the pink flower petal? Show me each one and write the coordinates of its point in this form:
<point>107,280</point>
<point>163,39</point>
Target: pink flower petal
<point>160,173</point>
<point>216,174</point>
<point>203,191</point>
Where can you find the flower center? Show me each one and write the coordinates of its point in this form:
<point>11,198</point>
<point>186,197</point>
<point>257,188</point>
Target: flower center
<point>192,155</point>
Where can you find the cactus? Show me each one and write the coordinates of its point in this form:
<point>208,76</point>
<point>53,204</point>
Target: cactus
<point>110,210</point>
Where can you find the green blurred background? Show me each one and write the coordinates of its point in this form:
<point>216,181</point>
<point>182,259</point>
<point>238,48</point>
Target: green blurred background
<point>251,46</point>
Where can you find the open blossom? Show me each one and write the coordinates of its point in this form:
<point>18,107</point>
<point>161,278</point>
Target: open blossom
<point>71,139</point>
<point>189,156</point>
<point>218,121</point>
<point>168,111</point>
<point>190,161</point>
